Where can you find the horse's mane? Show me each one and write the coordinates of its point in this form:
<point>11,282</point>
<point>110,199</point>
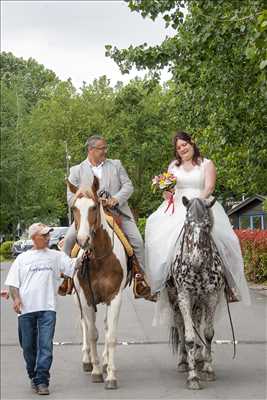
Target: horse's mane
<point>88,192</point>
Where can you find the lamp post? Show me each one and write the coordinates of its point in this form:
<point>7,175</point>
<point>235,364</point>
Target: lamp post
<point>67,158</point>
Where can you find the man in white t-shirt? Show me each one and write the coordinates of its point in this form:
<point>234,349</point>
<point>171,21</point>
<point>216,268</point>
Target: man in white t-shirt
<point>33,281</point>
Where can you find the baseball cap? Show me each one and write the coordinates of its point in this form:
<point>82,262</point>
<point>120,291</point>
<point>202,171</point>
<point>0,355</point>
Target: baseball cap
<point>39,229</point>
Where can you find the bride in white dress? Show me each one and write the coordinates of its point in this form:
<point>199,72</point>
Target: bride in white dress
<point>196,177</point>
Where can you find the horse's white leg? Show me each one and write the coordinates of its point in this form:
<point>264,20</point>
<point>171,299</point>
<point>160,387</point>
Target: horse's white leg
<point>111,339</point>
<point>105,352</point>
<point>90,336</point>
<point>207,370</point>
<point>185,308</point>
<point>86,360</point>
<point>90,318</point>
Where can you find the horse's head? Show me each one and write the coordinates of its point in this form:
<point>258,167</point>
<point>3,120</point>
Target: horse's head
<point>198,212</point>
<point>198,223</point>
<point>86,212</point>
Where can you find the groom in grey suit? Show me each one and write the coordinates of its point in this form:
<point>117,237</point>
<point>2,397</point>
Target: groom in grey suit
<point>114,179</point>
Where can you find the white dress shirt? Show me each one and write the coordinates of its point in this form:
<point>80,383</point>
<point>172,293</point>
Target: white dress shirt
<point>97,169</point>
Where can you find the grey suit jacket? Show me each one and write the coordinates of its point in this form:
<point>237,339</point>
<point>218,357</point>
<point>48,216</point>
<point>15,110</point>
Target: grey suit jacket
<point>114,179</point>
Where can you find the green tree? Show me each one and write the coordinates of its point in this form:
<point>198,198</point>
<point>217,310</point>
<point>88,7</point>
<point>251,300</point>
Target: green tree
<point>27,76</point>
<point>218,82</point>
<point>23,84</point>
<point>64,118</point>
<point>140,136</point>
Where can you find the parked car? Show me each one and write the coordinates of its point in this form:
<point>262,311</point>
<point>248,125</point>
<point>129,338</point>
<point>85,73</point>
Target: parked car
<point>56,235</point>
<point>24,244</point>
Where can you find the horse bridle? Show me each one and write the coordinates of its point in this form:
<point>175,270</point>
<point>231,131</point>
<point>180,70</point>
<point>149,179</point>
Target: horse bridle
<point>93,234</point>
<point>92,231</point>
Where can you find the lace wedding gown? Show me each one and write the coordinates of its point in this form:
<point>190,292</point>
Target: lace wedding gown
<point>163,228</point>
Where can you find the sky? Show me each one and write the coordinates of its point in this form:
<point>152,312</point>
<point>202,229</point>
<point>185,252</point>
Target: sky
<point>69,37</point>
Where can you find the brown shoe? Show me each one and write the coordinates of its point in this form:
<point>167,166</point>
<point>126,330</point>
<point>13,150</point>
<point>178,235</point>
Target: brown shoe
<point>33,386</point>
<point>66,286</point>
<point>231,294</point>
<point>152,297</point>
<point>62,289</point>
<point>42,389</point>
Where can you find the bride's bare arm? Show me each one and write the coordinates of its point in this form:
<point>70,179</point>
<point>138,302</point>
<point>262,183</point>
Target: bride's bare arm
<point>210,179</point>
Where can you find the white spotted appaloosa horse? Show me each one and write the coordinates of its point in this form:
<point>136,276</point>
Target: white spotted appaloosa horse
<point>194,290</point>
<point>101,279</point>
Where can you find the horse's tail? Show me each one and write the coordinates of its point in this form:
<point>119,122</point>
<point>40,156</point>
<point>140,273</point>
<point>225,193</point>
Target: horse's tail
<point>174,339</point>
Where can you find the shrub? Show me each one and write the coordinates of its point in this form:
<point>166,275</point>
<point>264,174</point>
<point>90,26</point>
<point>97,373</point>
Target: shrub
<point>141,225</point>
<point>5,249</point>
<point>254,249</point>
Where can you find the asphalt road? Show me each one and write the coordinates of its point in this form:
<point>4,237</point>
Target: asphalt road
<point>146,368</point>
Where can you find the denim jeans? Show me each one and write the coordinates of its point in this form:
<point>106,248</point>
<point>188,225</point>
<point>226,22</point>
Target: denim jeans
<point>36,332</point>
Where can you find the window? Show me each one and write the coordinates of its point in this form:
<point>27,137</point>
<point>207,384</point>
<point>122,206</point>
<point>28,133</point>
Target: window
<point>252,222</point>
<point>244,222</point>
<point>256,221</point>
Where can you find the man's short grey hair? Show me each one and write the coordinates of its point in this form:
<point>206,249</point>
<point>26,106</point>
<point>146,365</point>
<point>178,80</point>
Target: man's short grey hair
<point>91,141</point>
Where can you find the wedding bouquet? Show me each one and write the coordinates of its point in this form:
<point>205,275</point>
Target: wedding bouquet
<point>165,182</point>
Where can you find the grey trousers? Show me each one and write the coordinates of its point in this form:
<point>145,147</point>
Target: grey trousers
<point>129,228</point>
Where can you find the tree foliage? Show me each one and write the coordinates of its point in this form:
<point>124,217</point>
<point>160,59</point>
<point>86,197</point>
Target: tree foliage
<point>218,61</point>
<point>23,84</point>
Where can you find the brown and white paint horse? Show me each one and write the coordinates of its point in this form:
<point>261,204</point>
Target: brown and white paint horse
<point>108,273</point>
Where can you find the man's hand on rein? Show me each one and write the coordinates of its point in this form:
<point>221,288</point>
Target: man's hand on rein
<point>111,202</point>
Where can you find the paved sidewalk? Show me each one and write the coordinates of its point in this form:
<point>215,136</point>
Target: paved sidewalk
<point>145,364</point>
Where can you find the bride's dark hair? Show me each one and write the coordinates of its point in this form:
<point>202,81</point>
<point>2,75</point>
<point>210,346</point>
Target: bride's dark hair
<point>197,157</point>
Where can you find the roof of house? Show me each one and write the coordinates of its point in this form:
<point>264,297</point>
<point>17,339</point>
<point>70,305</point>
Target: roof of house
<point>245,203</point>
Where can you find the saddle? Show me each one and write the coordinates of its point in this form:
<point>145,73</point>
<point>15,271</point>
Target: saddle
<point>141,288</point>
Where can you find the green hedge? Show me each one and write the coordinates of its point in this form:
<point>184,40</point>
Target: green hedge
<point>254,249</point>
<point>141,226</point>
<point>5,249</point>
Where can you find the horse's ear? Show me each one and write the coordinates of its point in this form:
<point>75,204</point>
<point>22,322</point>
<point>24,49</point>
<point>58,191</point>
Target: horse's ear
<point>185,201</point>
<point>211,203</point>
<point>95,185</point>
<point>71,187</point>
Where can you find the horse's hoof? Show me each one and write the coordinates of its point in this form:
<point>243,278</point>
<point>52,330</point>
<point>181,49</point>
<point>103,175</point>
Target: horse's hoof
<point>111,384</point>
<point>199,365</point>
<point>105,368</point>
<point>97,378</point>
<point>208,376</point>
<point>182,367</point>
<point>88,367</point>
<point>193,384</point>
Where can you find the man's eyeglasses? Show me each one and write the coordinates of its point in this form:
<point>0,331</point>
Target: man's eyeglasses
<point>101,148</point>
